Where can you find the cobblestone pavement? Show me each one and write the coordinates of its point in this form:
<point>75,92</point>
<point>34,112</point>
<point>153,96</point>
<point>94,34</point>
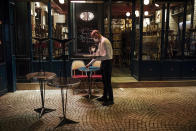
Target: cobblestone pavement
<point>135,109</point>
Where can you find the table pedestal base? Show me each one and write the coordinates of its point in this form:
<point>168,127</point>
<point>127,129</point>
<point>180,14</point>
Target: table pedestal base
<point>64,83</point>
<point>43,111</point>
<point>64,121</point>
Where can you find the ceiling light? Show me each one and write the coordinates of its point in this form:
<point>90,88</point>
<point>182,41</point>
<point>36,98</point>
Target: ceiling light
<point>146,2</point>
<point>61,1</point>
<point>128,14</point>
<point>146,13</point>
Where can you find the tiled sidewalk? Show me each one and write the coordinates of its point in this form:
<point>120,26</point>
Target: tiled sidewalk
<point>135,109</point>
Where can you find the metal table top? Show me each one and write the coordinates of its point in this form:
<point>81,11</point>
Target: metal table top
<point>41,75</point>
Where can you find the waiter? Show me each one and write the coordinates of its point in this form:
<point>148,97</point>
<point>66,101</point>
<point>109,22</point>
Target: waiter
<point>105,54</point>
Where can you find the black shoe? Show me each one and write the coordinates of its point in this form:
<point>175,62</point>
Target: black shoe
<point>107,103</point>
<point>100,99</point>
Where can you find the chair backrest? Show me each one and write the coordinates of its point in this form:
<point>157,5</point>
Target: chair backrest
<point>97,64</point>
<point>75,65</point>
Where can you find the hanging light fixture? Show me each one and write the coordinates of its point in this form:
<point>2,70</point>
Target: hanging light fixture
<point>87,16</point>
<point>61,1</point>
<point>128,14</point>
<point>137,13</point>
<point>146,13</point>
<point>146,2</point>
<point>157,5</point>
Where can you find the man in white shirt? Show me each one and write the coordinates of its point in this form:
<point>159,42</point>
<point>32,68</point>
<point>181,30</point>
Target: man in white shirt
<point>105,54</point>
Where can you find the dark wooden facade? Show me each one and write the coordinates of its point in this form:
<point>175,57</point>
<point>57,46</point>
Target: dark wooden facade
<point>17,38</point>
<point>7,65</point>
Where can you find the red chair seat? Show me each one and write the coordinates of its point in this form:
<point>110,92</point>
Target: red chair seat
<point>96,76</point>
<point>79,76</point>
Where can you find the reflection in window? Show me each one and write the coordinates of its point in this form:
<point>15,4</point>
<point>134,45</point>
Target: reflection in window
<point>39,20</point>
<point>59,29</point>
<point>190,40</point>
<point>174,49</point>
<point>151,35</point>
<point>40,49</point>
<point>58,50</point>
<point>190,44</point>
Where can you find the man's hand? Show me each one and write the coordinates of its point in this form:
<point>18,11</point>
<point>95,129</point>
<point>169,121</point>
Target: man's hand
<point>87,66</point>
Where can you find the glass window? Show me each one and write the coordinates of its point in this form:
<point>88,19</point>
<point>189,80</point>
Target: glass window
<point>137,33</point>
<point>87,18</point>
<point>175,31</point>
<point>39,20</point>
<point>151,33</point>
<point>136,49</point>
<point>59,28</point>
<point>121,24</point>
<point>118,25</point>
<point>190,40</point>
<point>1,43</point>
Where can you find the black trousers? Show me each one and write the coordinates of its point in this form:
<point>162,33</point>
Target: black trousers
<point>106,70</point>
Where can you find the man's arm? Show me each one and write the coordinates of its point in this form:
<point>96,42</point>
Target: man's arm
<point>100,53</point>
<point>96,54</point>
<point>90,63</point>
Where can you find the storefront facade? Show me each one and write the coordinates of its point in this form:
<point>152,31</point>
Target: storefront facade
<point>157,41</point>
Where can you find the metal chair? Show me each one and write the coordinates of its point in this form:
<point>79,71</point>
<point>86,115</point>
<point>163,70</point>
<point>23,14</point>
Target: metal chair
<point>75,73</point>
<point>96,76</point>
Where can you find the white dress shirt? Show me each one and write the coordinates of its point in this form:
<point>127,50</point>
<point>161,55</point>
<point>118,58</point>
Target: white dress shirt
<point>104,51</point>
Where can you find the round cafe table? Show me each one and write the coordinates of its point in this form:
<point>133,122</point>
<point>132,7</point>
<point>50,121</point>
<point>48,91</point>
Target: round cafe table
<point>89,72</point>
<point>42,77</point>
<point>64,83</point>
